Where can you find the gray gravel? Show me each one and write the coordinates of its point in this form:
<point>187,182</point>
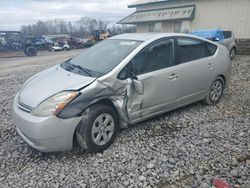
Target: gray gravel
<point>185,148</point>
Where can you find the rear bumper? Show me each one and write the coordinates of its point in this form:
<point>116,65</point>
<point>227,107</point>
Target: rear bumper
<point>46,134</point>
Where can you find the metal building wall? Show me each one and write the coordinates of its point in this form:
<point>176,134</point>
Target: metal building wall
<point>142,28</point>
<point>166,27</point>
<point>210,14</point>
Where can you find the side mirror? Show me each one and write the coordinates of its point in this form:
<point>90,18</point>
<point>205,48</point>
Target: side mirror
<point>138,86</point>
<point>128,73</point>
<point>217,39</point>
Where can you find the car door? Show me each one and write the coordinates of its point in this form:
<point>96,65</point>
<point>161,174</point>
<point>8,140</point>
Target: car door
<point>195,69</point>
<point>154,67</point>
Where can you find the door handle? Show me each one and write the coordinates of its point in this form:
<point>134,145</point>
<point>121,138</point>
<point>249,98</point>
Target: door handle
<point>210,65</point>
<point>173,76</point>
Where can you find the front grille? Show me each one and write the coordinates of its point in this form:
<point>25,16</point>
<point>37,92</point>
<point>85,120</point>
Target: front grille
<point>24,107</point>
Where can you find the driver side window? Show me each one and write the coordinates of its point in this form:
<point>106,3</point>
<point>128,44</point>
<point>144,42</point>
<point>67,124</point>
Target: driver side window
<point>157,56</point>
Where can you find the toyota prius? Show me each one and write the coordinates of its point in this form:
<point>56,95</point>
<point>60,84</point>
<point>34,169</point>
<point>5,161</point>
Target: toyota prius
<point>118,82</point>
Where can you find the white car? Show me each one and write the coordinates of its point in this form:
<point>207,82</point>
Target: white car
<point>56,48</point>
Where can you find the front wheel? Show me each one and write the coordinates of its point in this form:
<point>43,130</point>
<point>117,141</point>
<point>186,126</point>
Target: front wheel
<point>97,130</point>
<point>215,92</point>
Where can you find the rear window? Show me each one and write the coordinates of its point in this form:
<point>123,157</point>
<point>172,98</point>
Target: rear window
<point>227,34</point>
<point>192,49</point>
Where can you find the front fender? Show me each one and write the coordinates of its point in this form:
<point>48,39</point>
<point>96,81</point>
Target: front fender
<point>95,93</point>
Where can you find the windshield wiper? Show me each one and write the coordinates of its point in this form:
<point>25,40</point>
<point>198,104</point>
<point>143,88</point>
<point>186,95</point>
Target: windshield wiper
<point>68,64</point>
<point>87,71</point>
<point>80,68</point>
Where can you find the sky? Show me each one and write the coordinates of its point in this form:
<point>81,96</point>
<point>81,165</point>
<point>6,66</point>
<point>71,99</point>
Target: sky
<point>15,13</point>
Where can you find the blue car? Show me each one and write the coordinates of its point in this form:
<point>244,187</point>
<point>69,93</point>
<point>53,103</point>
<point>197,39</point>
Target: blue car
<point>225,38</point>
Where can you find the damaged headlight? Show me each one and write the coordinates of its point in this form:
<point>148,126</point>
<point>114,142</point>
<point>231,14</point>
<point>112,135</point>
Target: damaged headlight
<point>55,104</point>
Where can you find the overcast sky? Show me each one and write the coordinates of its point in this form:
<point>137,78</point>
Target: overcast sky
<point>14,13</point>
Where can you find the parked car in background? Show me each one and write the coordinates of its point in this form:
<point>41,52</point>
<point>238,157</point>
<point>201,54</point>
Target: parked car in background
<point>225,38</point>
<point>13,41</point>
<point>89,42</point>
<point>118,82</point>
<point>75,43</point>
<point>60,47</point>
<point>229,42</point>
<point>71,43</point>
<point>41,43</point>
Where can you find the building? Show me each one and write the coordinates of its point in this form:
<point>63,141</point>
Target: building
<point>189,15</point>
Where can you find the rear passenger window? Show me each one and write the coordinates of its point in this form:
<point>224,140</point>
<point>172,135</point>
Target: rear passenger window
<point>191,49</point>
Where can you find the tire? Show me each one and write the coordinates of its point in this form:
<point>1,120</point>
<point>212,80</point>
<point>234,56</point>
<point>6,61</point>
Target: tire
<point>31,51</point>
<point>232,53</point>
<point>25,52</point>
<point>91,131</point>
<point>66,49</point>
<point>215,92</point>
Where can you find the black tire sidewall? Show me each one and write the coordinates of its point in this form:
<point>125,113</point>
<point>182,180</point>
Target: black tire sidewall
<point>85,126</point>
<point>29,51</point>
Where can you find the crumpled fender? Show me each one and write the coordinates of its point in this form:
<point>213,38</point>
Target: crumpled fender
<point>109,89</point>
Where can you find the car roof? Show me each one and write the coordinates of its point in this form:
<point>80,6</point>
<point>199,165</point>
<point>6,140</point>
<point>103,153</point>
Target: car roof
<point>147,36</point>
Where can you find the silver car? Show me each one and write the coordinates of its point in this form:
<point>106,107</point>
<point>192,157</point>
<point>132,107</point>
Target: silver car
<point>116,83</point>
<point>225,38</point>
<point>229,42</point>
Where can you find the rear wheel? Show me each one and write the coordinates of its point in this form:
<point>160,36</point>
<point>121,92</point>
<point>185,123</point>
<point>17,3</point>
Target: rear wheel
<point>31,51</point>
<point>215,92</point>
<point>97,131</point>
<point>66,49</point>
<point>232,53</point>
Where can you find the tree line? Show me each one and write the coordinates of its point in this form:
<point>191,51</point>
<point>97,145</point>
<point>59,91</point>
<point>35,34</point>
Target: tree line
<point>83,27</point>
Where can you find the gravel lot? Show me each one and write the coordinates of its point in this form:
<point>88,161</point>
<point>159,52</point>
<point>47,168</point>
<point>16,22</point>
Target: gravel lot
<point>185,148</point>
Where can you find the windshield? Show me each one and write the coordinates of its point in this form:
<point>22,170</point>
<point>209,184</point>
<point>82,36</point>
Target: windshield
<point>101,58</point>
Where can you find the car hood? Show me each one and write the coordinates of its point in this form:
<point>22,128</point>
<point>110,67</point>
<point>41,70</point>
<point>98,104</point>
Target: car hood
<point>50,82</point>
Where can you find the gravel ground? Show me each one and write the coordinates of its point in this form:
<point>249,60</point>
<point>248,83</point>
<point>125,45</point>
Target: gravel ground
<point>185,148</point>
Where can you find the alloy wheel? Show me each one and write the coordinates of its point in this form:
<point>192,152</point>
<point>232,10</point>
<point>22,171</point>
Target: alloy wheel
<point>102,129</point>
<point>232,54</point>
<point>216,90</point>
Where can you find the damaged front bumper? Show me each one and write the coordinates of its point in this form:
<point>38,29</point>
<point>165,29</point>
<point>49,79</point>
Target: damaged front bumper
<point>46,134</point>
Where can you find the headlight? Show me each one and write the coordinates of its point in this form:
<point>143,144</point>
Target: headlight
<point>55,104</point>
